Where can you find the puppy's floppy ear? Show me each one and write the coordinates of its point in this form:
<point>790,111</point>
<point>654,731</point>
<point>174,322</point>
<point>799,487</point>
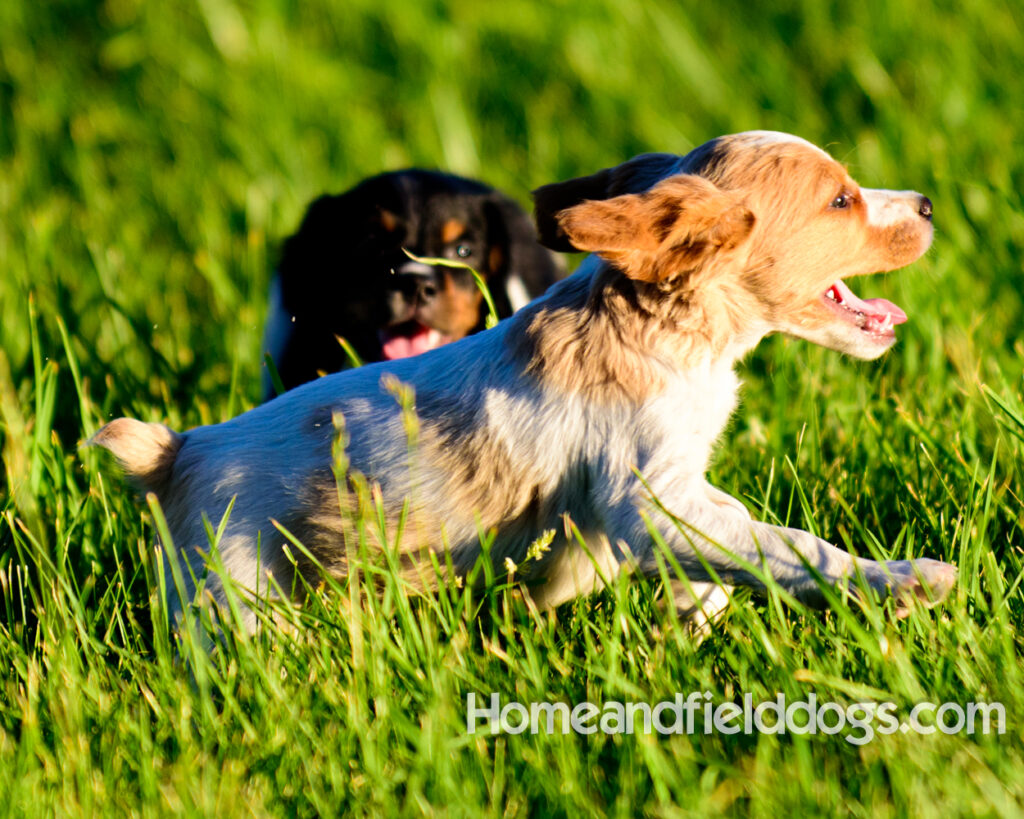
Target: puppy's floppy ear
<point>673,228</point>
<point>334,230</point>
<point>638,174</point>
<point>321,237</point>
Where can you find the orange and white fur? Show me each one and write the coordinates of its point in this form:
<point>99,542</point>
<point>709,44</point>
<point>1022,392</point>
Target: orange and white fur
<point>624,368</point>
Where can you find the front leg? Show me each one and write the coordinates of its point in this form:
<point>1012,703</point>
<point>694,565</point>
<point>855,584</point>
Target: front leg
<point>701,604</point>
<point>725,500</point>
<point>727,540</point>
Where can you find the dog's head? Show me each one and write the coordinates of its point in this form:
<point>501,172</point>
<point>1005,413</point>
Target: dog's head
<point>346,265</point>
<point>766,224</point>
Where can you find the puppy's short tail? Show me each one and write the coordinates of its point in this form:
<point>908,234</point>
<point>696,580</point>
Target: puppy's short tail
<point>146,452</point>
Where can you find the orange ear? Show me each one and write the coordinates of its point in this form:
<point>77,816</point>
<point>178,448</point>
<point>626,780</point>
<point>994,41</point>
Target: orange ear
<point>634,176</point>
<point>673,228</point>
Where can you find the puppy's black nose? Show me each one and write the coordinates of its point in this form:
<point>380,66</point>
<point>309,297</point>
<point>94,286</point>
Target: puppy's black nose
<point>924,207</point>
<point>417,282</point>
<point>427,289</point>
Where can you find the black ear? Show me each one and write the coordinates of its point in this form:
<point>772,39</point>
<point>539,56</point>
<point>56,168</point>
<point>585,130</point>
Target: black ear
<point>512,236</point>
<point>305,253</point>
<point>634,176</point>
<point>323,227</point>
<point>336,228</point>
<point>550,200</point>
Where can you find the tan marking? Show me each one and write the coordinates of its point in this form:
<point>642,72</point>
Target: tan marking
<point>452,230</point>
<point>388,220</point>
<point>614,339</point>
<point>495,259</point>
<point>479,475</point>
<point>460,311</point>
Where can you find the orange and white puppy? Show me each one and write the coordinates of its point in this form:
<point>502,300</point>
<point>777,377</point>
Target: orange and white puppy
<point>625,367</point>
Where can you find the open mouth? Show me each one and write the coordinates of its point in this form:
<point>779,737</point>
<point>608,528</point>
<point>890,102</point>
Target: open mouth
<point>408,339</point>
<point>875,317</point>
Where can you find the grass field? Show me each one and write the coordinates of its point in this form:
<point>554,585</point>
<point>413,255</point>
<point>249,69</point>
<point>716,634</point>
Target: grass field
<point>152,157</point>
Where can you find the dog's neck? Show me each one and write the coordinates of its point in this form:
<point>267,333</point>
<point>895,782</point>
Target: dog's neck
<point>615,339</point>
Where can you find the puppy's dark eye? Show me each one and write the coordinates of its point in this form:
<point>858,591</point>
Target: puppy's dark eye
<point>464,251</point>
<point>844,200</point>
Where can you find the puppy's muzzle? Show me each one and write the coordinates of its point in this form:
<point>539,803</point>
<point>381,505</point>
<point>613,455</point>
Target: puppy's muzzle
<point>416,281</point>
<point>412,286</point>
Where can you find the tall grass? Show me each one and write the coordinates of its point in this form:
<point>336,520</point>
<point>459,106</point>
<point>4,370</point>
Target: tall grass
<point>153,155</point>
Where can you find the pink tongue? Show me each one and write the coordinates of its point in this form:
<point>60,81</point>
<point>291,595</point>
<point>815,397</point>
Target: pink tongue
<point>876,309</point>
<point>404,346</point>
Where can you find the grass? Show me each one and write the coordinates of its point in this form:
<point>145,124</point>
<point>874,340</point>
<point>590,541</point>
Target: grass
<point>152,156</point>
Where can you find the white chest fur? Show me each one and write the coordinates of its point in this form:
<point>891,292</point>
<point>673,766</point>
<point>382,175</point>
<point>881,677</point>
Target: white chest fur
<point>681,424</point>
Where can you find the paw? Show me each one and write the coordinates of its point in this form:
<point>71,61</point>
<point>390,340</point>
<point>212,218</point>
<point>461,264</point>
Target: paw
<point>702,608</point>
<point>924,581</point>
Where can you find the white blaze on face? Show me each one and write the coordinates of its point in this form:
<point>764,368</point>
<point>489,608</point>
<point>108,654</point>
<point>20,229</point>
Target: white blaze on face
<point>887,208</point>
<point>756,139</point>
<point>517,296</point>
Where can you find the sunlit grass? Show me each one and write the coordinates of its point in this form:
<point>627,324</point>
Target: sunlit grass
<point>152,156</point>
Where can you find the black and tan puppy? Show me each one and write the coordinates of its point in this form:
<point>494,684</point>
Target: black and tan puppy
<point>344,273</point>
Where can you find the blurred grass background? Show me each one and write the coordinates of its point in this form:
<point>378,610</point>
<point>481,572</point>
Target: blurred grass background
<point>153,156</point>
